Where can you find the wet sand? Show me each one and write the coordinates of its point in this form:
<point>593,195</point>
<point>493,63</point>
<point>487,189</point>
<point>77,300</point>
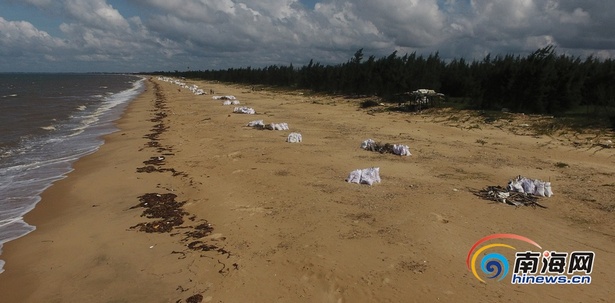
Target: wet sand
<point>253,218</point>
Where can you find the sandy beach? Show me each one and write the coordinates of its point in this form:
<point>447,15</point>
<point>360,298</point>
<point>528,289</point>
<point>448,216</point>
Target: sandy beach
<point>264,220</point>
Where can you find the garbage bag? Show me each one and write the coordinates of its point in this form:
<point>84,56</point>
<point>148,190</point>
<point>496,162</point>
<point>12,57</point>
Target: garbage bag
<point>294,138</point>
<point>364,176</point>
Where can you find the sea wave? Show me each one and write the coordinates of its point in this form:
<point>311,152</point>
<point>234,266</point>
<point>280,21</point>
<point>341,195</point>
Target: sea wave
<point>44,160</point>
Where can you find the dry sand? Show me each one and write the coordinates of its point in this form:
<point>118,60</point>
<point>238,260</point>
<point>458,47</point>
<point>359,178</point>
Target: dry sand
<point>287,228</point>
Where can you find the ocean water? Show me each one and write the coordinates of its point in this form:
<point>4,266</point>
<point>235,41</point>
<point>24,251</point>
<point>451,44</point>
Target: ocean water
<point>47,122</point>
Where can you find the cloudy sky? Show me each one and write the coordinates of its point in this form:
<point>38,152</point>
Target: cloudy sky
<point>152,35</point>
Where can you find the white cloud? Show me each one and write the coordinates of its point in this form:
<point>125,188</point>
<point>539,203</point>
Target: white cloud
<point>409,23</point>
<point>39,3</point>
<point>578,16</point>
<point>95,13</point>
<point>22,37</point>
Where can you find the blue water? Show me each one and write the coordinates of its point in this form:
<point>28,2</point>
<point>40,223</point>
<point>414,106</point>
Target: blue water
<point>47,122</point>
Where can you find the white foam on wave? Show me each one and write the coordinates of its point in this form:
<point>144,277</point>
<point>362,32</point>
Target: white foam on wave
<point>109,102</point>
<point>20,229</point>
<point>10,221</point>
<point>50,127</point>
<point>81,107</point>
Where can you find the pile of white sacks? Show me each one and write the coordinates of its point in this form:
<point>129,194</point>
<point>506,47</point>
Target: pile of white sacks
<point>196,90</point>
<point>229,102</point>
<point>277,126</point>
<point>367,144</point>
<point>244,110</point>
<point>260,124</point>
<point>230,97</point>
<point>398,149</point>
<point>256,124</point>
<point>530,186</point>
<point>364,176</point>
<point>193,88</point>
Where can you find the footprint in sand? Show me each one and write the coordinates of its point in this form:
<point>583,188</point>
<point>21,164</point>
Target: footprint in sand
<point>330,291</point>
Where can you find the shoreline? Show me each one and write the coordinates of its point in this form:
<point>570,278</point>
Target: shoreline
<point>59,202</point>
<point>285,225</point>
<point>32,166</point>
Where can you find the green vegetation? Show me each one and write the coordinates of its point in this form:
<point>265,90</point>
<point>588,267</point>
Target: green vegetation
<point>542,82</point>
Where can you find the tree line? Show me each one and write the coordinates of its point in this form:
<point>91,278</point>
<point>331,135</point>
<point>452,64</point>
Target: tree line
<point>541,82</point>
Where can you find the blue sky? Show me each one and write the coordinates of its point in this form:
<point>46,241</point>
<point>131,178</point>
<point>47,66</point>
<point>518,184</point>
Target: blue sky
<point>151,35</point>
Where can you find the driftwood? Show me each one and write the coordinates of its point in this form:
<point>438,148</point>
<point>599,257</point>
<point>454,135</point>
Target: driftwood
<point>503,195</point>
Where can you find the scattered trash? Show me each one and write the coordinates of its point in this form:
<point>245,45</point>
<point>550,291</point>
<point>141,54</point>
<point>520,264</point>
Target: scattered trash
<point>364,176</point>
<point>294,138</point>
<point>244,110</point>
<point>397,149</point>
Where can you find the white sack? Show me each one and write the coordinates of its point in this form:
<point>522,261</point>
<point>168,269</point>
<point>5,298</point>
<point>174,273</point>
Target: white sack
<point>294,138</point>
<point>548,191</point>
<point>364,176</point>
<point>278,126</point>
<point>367,144</point>
<point>354,176</point>
<point>402,150</point>
<point>244,110</point>
<point>530,186</point>
<point>256,123</point>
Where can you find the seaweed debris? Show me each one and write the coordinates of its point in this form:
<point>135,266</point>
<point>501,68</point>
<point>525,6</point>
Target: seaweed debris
<point>198,298</point>
<point>163,207</point>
